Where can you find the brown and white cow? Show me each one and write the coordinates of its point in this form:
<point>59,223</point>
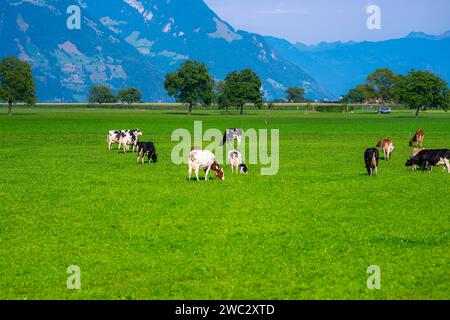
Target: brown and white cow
<point>418,139</point>
<point>205,160</point>
<point>387,146</point>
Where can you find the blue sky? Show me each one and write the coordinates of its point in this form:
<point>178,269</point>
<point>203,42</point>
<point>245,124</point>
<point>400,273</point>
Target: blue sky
<point>313,21</point>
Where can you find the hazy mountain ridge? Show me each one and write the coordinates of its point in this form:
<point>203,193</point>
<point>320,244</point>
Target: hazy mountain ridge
<point>66,63</point>
<point>423,35</point>
<point>341,66</point>
<point>135,43</point>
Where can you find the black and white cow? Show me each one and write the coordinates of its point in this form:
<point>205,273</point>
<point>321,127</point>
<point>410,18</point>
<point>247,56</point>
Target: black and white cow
<point>146,149</point>
<point>231,135</point>
<point>113,137</point>
<point>371,159</point>
<point>129,138</point>
<point>430,158</point>
<point>236,162</point>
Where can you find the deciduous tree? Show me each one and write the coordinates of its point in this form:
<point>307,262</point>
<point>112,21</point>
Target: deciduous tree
<point>422,90</point>
<point>190,84</point>
<point>359,94</point>
<point>241,88</point>
<point>295,94</point>
<point>130,95</point>
<point>382,82</point>
<point>101,94</point>
<point>16,82</point>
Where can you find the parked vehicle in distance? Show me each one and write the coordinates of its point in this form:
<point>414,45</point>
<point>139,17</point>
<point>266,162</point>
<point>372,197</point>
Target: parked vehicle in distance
<point>385,110</point>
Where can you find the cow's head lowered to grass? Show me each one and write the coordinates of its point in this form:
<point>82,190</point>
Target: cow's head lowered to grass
<point>218,170</point>
<point>257,147</point>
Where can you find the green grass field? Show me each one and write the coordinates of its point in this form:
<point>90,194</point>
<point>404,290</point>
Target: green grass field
<point>145,232</point>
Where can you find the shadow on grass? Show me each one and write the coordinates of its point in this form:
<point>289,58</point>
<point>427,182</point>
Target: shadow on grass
<point>209,114</point>
<point>186,114</point>
<point>18,114</point>
<point>194,179</point>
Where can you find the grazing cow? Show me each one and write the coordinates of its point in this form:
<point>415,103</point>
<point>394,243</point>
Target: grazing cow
<point>231,135</point>
<point>235,158</point>
<point>371,157</point>
<point>205,160</point>
<point>430,158</point>
<point>418,138</point>
<point>414,153</point>
<point>387,146</point>
<point>146,149</point>
<point>129,138</point>
<point>113,137</point>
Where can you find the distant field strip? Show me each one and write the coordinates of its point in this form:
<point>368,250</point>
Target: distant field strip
<point>249,107</point>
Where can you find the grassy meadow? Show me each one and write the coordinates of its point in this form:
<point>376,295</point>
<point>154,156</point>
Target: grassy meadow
<point>145,232</point>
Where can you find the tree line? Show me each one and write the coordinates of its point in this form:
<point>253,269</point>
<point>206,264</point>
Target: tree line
<point>418,89</point>
<point>191,84</point>
<point>103,94</point>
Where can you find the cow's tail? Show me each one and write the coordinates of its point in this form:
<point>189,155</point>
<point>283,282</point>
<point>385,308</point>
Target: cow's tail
<point>224,140</point>
<point>379,144</point>
<point>413,139</point>
<point>374,159</point>
<point>368,165</point>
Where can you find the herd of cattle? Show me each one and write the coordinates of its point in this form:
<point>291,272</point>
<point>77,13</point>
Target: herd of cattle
<point>127,138</point>
<point>425,159</point>
<point>198,159</point>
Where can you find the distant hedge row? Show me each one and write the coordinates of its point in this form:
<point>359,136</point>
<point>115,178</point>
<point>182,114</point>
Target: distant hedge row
<point>333,107</point>
<point>313,107</point>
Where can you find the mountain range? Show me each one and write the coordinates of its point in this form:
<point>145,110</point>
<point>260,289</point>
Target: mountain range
<point>135,43</point>
<point>341,66</point>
